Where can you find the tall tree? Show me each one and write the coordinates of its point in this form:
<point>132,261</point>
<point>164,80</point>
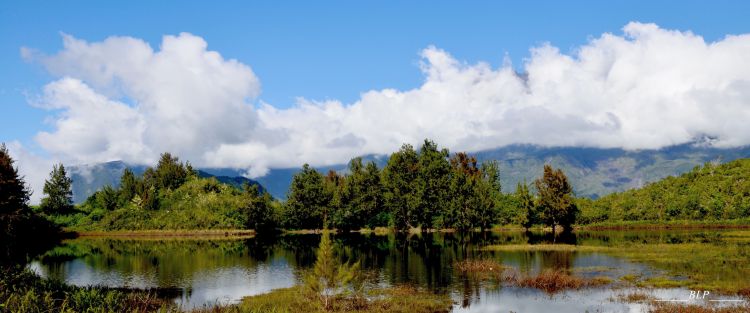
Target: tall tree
<point>170,173</point>
<point>373,200</point>
<point>13,193</point>
<point>399,177</point>
<point>432,185</point>
<point>58,193</point>
<point>258,209</point>
<point>464,199</point>
<point>527,215</point>
<point>556,205</point>
<point>128,186</point>
<point>488,192</point>
<point>307,202</point>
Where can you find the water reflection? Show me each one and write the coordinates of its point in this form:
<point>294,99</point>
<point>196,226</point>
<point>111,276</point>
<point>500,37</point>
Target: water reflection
<point>208,272</point>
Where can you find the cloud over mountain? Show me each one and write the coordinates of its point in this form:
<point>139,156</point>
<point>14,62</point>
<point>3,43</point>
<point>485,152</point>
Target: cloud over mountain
<point>646,88</point>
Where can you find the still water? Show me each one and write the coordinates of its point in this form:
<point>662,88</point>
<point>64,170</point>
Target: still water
<point>198,273</point>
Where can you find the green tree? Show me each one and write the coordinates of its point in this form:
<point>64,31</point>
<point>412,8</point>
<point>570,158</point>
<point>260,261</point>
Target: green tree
<point>399,177</point>
<point>107,198</point>
<point>307,202</point>
<point>432,185</point>
<point>372,201</point>
<point>337,213</point>
<point>465,176</point>
<point>527,215</point>
<point>556,205</point>
<point>328,278</point>
<point>13,193</point>
<point>128,186</point>
<point>488,192</point>
<point>170,173</point>
<point>258,209</point>
<point>58,193</point>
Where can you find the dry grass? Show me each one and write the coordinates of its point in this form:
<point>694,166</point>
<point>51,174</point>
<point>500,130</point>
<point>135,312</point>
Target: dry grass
<point>552,281</point>
<point>479,266</point>
<point>681,308</point>
<point>634,297</point>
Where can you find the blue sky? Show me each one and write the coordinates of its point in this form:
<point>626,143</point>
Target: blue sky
<point>328,49</point>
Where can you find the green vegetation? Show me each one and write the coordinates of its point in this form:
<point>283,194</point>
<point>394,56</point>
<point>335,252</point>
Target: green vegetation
<point>708,193</point>
<point>58,193</point>
<point>168,197</point>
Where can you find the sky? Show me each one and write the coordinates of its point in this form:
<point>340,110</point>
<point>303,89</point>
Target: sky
<point>258,86</point>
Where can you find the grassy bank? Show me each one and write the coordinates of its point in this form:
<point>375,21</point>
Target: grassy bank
<point>675,224</point>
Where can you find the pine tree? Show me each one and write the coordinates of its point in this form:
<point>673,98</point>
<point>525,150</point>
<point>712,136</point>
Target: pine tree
<point>556,203</point>
<point>58,193</point>
<point>13,193</point>
<point>258,209</point>
<point>128,186</point>
<point>329,278</point>
<point>528,215</point>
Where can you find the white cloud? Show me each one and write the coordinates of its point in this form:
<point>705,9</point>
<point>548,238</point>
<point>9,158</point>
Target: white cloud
<point>33,168</point>
<point>646,88</point>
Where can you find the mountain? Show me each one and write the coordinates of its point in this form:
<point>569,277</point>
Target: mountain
<point>89,178</point>
<point>594,172</point>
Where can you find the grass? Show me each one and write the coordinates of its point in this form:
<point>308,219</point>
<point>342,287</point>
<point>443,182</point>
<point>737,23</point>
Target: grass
<point>552,281</point>
<point>681,308</point>
<point>722,265</point>
<point>672,224</point>
<point>398,299</point>
<point>634,297</point>
<point>24,291</point>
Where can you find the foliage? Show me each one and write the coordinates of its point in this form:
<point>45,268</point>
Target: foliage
<point>711,192</point>
<point>13,193</point>
<point>401,196</point>
<point>555,202</point>
<point>259,209</point>
<point>329,279</point>
<point>432,184</point>
<point>58,193</point>
<point>308,201</point>
<point>527,215</point>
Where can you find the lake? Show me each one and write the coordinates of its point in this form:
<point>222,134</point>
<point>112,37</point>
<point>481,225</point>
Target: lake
<point>206,272</point>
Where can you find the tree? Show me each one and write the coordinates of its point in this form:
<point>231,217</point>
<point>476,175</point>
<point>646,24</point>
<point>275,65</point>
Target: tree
<point>488,192</point>
<point>556,205</point>
<point>463,191</point>
<point>170,173</point>
<point>399,177</point>
<point>372,201</point>
<point>528,215</point>
<point>13,193</point>
<point>258,209</point>
<point>432,185</point>
<point>307,202</point>
<point>59,195</point>
<point>128,186</point>
<point>329,278</point>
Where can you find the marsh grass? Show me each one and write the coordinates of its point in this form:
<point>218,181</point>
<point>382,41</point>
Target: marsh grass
<point>634,297</point>
<point>662,307</point>
<point>397,299</point>
<point>721,264</point>
<point>552,281</point>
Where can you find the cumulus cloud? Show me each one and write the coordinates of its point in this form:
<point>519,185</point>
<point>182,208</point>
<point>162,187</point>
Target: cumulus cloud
<point>645,88</point>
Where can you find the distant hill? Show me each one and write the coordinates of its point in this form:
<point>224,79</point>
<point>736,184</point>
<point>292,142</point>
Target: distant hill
<point>713,192</point>
<point>594,172</point>
<point>87,179</point>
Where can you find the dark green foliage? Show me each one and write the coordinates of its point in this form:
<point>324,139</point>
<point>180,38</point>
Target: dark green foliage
<point>710,192</point>
<point>357,197</point>
<point>259,209</point>
<point>401,196</point>
<point>465,174</point>
<point>13,193</point>
<point>555,202</point>
<point>432,185</point>
<point>170,173</point>
<point>527,211</point>
<point>308,201</point>
<point>129,184</point>
<point>22,232</point>
<point>58,193</point>
<point>489,193</point>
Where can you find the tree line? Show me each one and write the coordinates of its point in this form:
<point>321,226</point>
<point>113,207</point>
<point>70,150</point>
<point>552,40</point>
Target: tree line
<point>426,188</point>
